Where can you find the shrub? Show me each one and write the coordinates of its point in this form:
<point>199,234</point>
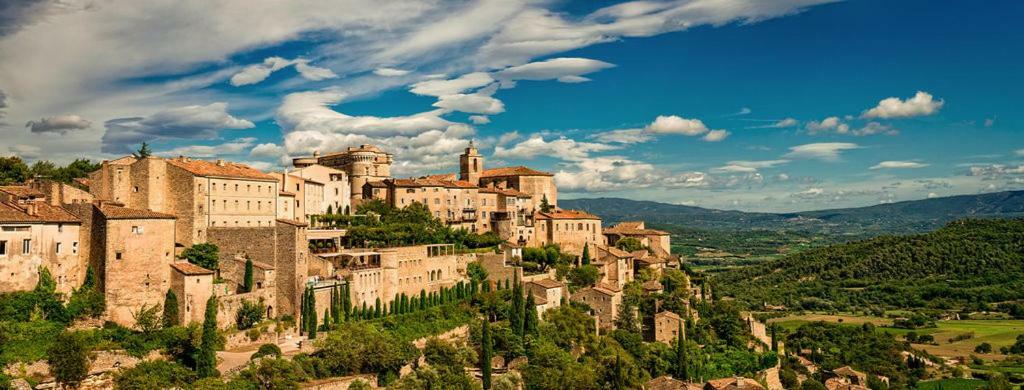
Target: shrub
<point>267,350</point>
<point>205,255</point>
<point>69,359</point>
<point>156,374</point>
<point>983,348</point>
<point>251,313</point>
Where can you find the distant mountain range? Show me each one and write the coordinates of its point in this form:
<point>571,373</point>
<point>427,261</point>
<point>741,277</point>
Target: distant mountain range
<point>901,217</point>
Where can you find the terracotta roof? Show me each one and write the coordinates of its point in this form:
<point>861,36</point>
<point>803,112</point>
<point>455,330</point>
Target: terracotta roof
<point>220,169</point>
<point>83,181</point>
<point>633,228</point>
<point>45,213</point>
<point>565,214</point>
<point>292,222</point>
<point>615,252</point>
<point>117,212</point>
<point>669,314</point>
<point>512,171</point>
<point>377,184</point>
<point>601,290</point>
<point>190,269</point>
<point>735,383</point>
<point>360,148</point>
<point>547,283</point>
<point>666,382</point>
<point>22,191</point>
<point>442,176</point>
<point>425,182</point>
<point>539,300</point>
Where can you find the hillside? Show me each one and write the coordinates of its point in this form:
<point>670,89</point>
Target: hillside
<point>913,216</point>
<point>965,263</point>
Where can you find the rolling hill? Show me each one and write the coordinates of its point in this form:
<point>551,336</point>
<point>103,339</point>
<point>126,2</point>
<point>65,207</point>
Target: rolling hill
<point>913,216</point>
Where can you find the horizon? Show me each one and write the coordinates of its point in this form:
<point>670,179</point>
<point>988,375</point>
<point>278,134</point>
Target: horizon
<point>753,106</point>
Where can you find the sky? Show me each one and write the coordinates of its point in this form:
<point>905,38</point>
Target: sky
<point>781,105</point>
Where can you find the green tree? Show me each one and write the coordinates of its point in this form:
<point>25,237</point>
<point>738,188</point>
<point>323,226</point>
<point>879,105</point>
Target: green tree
<point>247,283</point>
<point>584,276</point>
<point>170,316</point>
<point>147,319</point>
<point>250,314</point>
<point>274,373</point>
<point>485,354</point>
<point>313,323</point>
<point>629,244</point>
<point>205,255</point>
<point>68,358</point>
<point>157,374</point>
<point>531,319</point>
<point>206,363</point>
<point>586,255</point>
<point>13,170</point>
<point>544,205</point>
<point>515,315</point>
<point>143,151</point>
<point>682,365</point>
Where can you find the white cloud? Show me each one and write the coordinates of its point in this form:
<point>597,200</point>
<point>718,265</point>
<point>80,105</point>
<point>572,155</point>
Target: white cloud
<point>566,70</point>
<point>314,73</point>
<point>672,124</point>
<point>310,110</point>
<point>390,72</point>
<point>741,166</point>
<point>479,119</point>
<point>189,122</point>
<point>920,105</point>
<point>824,151</point>
<point>234,147</point>
<point>450,87</point>
<point>898,165</point>
<point>507,138</point>
<point>831,123</point>
<point>25,151</point>
<point>875,128</point>
<point>267,150</point>
<point>716,135</point>
<point>58,124</point>
<point>471,103</point>
<point>624,136</point>
<point>788,122</point>
<point>562,148</point>
<point>255,73</point>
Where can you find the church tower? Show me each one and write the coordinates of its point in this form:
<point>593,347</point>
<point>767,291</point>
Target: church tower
<point>471,164</point>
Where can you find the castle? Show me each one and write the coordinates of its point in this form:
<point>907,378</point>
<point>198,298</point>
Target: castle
<point>131,220</point>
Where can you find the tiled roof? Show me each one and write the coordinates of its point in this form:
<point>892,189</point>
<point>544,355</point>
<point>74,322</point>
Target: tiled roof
<point>220,169</point>
<point>547,283</point>
<point>601,289</point>
<point>117,212</point>
<point>539,300</point>
<point>361,148</point>
<point>425,182</point>
<point>737,383</point>
<point>22,191</point>
<point>190,269</point>
<point>126,160</point>
<point>504,191</point>
<point>82,181</point>
<point>377,184</point>
<point>666,382</point>
<point>286,193</point>
<point>565,214</point>
<point>44,213</point>
<point>512,171</point>
<point>633,228</point>
<point>442,176</point>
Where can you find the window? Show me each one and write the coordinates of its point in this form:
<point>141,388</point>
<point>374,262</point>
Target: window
<point>135,189</point>
<point>236,187</point>
<point>248,205</point>
<point>26,246</point>
<point>248,188</point>
<point>3,248</point>
<point>58,248</point>
<point>118,255</point>
<point>74,248</point>
<point>225,186</point>
<point>60,228</point>
<point>137,229</point>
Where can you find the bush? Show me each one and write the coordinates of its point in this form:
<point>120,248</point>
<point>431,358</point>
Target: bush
<point>156,374</point>
<point>205,255</point>
<point>983,348</point>
<point>274,373</point>
<point>267,350</point>
<point>251,313</point>
<point>69,359</point>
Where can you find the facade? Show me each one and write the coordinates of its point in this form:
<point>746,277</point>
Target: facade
<point>547,293</point>
<point>570,229</point>
<point>337,191</point>
<point>667,326</point>
<point>363,164</point>
<point>307,197</point>
<point>35,234</point>
<point>656,240</point>
<point>193,285</point>
<point>616,267</point>
<point>604,304</point>
<point>387,273</point>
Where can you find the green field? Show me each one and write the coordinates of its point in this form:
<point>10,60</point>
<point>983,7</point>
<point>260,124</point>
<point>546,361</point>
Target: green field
<point>953,384</point>
<point>996,332</point>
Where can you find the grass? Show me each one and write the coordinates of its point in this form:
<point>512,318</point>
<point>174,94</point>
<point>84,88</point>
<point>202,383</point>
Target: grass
<point>953,384</point>
<point>996,332</point>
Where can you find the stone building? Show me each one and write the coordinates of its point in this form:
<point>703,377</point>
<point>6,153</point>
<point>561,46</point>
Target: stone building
<point>363,164</point>
<point>193,285</point>
<point>616,267</point>
<point>337,191</point>
<point>201,194</point>
<point>656,240</point>
<point>666,327</point>
<point>604,304</point>
<point>34,234</point>
<point>389,272</point>
<point>570,229</point>
<point>307,197</point>
<point>547,293</point>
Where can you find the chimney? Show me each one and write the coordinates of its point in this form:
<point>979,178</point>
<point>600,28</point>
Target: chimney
<point>32,208</point>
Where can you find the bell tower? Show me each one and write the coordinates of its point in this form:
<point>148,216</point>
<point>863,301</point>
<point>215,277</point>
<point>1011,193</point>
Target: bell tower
<point>471,164</point>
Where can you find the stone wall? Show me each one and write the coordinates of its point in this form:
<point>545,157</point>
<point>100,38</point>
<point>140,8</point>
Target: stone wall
<point>340,383</point>
<point>228,305</point>
<point>137,265</point>
<point>192,292</point>
<point>20,271</point>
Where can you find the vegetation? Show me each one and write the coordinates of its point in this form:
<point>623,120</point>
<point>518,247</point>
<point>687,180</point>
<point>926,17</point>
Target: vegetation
<point>381,225</point>
<point>968,264</point>
<point>13,170</point>
<point>157,374</point>
<point>68,358</point>
<point>249,314</point>
<point>170,312</point>
<point>247,283</point>
<point>206,361</point>
<point>205,255</point>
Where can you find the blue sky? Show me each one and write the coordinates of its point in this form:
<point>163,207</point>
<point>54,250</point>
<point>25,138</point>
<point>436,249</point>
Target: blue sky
<point>767,106</point>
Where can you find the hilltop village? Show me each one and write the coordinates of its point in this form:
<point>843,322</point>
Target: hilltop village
<point>134,226</point>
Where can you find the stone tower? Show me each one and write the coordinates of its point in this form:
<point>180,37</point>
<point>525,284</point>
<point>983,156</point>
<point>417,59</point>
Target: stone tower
<point>471,164</point>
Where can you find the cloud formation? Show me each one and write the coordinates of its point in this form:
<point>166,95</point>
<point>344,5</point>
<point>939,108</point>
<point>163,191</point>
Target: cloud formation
<point>920,104</point>
<point>824,151</point>
<point>233,147</point>
<point>189,122</point>
<point>898,165</point>
<point>390,72</point>
<point>58,124</point>
<point>256,73</point>
<point>567,70</point>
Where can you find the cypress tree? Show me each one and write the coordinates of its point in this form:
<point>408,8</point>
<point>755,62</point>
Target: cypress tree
<point>531,316</point>
<point>206,362</point>
<point>327,320</point>
<point>313,323</point>
<point>775,344</point>
<point>170,309</point>
<point>423,299</point>
<point>363,313</point>
<point>248,284</point>
<point>485,354</point>
<point>377,312</point>
<point>515,318</point>
<point>682,371</point>
<point>586,255</point>
<point>339,313</point>
<point>346,301</point>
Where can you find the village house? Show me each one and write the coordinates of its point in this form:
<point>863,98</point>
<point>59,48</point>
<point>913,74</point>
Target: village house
<point>34,234</point>
<point>547,294</point>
